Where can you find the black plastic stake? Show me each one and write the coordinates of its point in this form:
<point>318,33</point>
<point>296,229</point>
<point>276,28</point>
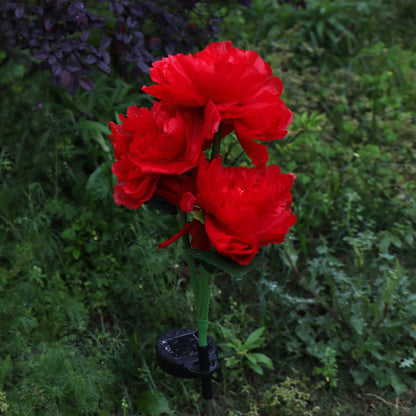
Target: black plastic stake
<point>204,365</point>
<point>179,354</point>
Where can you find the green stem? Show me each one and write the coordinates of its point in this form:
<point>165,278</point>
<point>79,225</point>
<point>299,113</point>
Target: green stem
<point>202,291</point>
<point>190,260</point>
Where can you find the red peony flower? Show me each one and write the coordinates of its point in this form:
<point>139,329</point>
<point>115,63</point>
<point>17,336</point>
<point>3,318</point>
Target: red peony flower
<point>153,143</point>
<point>245,209</point>
<point>238,82</point>
<point>160,151</point>
<point>239,210</point>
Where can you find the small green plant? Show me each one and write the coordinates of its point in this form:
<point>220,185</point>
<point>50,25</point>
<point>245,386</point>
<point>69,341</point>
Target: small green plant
<point>153,403</point>
<point>294,396</point>
<point>239,353</point>
<point>291,397</point>
<point>4,407</point>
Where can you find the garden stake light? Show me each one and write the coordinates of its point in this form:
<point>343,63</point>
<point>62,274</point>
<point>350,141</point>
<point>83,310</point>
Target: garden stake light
<point>160,152</point>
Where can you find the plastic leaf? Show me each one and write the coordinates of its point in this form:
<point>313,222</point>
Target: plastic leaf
<point>225,264</point>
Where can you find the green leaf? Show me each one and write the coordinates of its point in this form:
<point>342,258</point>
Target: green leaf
<point>225,264</point>
<point>225,331</point>
<point>99,184</point>
<point>360,377</point>
<point>94,125</point>
<point>255,359</point>
<point>262,359</point>
<point>229,345</point>
<point>76,253</point>
<point>153,403</point>
<point>68,234</point>
<point>407,363</point>
<point>256,367</point>
<point>254,339</point>
<point>99,132</point>
<point>5,369</point>
<point>251,357</point>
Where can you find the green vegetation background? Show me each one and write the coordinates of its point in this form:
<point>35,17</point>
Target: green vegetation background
<point>84,291</point>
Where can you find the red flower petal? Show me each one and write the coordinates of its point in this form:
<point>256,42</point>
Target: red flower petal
<point>164,141</point>
<point>179,234</point>
<point>245,209</point>
<point>238,82</point>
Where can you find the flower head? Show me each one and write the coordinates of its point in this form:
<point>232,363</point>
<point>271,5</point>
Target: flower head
<point>245,208</point>
<point>238,82</point>
<point>160,151</point>
<point>165,140</point>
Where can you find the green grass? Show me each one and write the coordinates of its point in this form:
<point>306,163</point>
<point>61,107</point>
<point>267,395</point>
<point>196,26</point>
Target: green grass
<point>85,292</point>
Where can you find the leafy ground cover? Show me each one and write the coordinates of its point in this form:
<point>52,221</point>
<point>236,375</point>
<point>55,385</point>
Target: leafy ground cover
<point>325,325</point>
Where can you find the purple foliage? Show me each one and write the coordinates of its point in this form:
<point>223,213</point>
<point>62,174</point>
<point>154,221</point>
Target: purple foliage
<point>57,34</point>
<point>70,40</point>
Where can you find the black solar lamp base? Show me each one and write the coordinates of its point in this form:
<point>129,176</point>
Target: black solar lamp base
<point>179,355</point>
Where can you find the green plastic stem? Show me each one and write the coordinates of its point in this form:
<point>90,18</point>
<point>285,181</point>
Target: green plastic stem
<point>202,291</point>
<point>190,260</point>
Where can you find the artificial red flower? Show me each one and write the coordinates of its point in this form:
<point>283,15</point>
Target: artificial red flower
<point>153,143</point>
<point>245,208</point>
<point>238,82</point>
<point>239,210</point>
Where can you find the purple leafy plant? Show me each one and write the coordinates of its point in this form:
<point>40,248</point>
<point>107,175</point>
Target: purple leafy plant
<point>70,40</point>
